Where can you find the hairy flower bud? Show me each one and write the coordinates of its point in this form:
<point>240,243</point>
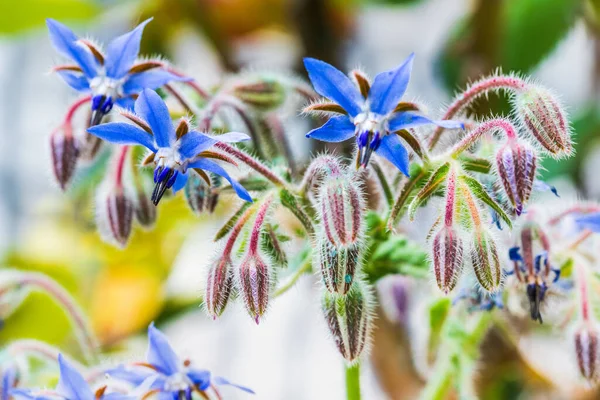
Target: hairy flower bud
<point>338,264</point>
<point>543,116</point>
<point>341,207</point>
<point>218,286</point>
<point>516,163</point>
<point>64,153</point>
<point>114,216</point>
<point>264,95</point>
<point>349,319</point>
<point>447,258</point>
<point>145,211</point>
<point>484,256</point>
<point>586,350</point>
<point>255,283</point>
<point>200,196</point>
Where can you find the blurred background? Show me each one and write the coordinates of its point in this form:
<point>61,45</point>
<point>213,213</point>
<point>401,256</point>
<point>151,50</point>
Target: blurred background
<point>158,276</point>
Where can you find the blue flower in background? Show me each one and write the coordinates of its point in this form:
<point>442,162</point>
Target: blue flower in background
<point>173,155</point>
<point>171,377</point>
<point>372,119</point>
<point>9,380</point>
<point>71,386</point>
<point>111,78</point>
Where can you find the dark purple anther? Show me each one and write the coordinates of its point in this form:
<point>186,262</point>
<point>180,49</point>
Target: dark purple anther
<point>97,101</point>
<point>163,174</point>
<point>157,172</point>
<point>375,142</point>
<point>363,139</point>
<point>108,105</point>
<point>172,179</point>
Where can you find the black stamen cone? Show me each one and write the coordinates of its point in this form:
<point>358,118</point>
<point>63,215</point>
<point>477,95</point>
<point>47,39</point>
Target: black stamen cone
<point>535,294</point>
<point>161,187</point>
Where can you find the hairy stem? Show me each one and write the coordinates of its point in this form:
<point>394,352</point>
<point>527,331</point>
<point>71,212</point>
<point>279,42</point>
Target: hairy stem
<point>491,126</point>
<point>383,181</point>
<point>484,86</point>
<point>303,269</point>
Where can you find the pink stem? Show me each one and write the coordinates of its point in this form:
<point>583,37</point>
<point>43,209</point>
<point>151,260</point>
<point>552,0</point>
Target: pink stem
<point>578,209</point>
<point>494,125</point>
<point>121,161</point>
<point>258,223</point>
<point>450,194</point>
<point>583,292</point>
<point>67,122</point>
<point>252,163</point>
<point>237,229</point>
<point>473,92</point>
<point>203,93</point>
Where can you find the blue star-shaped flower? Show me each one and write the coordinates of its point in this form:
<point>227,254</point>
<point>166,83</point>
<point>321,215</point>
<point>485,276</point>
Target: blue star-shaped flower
<point>71,386</point>
<point>173,154</point>
<point>371,119</point>
<point>171,377</point>
<point>112,78</point>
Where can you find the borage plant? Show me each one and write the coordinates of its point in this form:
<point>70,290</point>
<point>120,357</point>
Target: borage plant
<point>478,177</point>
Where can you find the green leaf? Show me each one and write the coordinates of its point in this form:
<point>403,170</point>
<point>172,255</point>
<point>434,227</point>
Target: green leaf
<point>434,182</point>
<point>479,191</point>
<point>438,314</point>
<point>475,164</point>
<point>22,15</point>
<point>228,226</point>
<point>533,29</point>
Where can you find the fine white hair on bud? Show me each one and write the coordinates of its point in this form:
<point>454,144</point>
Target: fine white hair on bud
<point>64,153</point>
<point>585,342</point>
<point>114,215</point>
<point>338,264</point>
<point>485,260</point>
<point>542,115</point>
<point>349,318</point>
<point>447,254</point>
<point>516,164</point>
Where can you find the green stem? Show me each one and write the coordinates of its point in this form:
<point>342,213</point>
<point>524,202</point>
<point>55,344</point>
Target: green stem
<point>439,383</point>
<point>409,185</point>
<point>303,269</point>
<point>353,382</point>
<point>385,185</point>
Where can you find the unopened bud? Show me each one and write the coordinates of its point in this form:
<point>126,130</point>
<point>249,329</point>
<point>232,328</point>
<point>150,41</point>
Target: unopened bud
<point>447,258</point>
<point>586,350</point>
<point>516,162</point>
<point>341,207</point>
<point>200,197</point>
<point>218,286</point>
<point>543,116</point>
<point>145,211</point>
<point>64,152</point>
<point>114,216</point>
<point>484,256</point>
<point>263,95</point>
<point>349,319</point>
<point>255,283</point>
<point>338,264</point>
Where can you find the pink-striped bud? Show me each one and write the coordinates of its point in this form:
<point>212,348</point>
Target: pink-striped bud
<point>447,258</point>
<point>341,206</point>
<point>516,163</point>
<point>114,216</point>
<point>484,257</point>
<point>255,283</point>
<point>349,319</point>
<point>338,264</point>
<point>218,286</point>
<point>64,153</point>
<point>586,350</point>
<point>542,115</point>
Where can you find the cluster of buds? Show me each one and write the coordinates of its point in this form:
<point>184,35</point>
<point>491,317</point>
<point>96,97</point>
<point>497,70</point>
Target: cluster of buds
<point>339,241</point>
<point>255,275</point>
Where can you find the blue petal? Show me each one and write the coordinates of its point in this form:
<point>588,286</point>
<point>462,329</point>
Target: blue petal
<point>200,377</point>
<point>217,169</point>
<point>26,394</point>
<point>337,129</point>
<point>76,80</point>
<point>160,354</point>
<point>66,42</point>
<point>389,87</point>
<point>135,375</point>
<point>195,142</point>
<point>71,384</point>
<point>541,186</point>
<point>122,52</point>
<point>152,79</point>
<point>126,102</point>
<point>180,181</point>
<point>589,221</point>
<point>123,133</point>
<point>222,381</point>
<point>333,84</point>
<point>9,377</point>
<point>392,149</point>
<point>410,119</point>
<point>154,111</point>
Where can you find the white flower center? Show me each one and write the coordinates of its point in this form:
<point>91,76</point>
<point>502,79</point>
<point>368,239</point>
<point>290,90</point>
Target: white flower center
<point>169,157</point>
<point>177,382</point>
<point>371,122</point>
<point>105,86</point>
